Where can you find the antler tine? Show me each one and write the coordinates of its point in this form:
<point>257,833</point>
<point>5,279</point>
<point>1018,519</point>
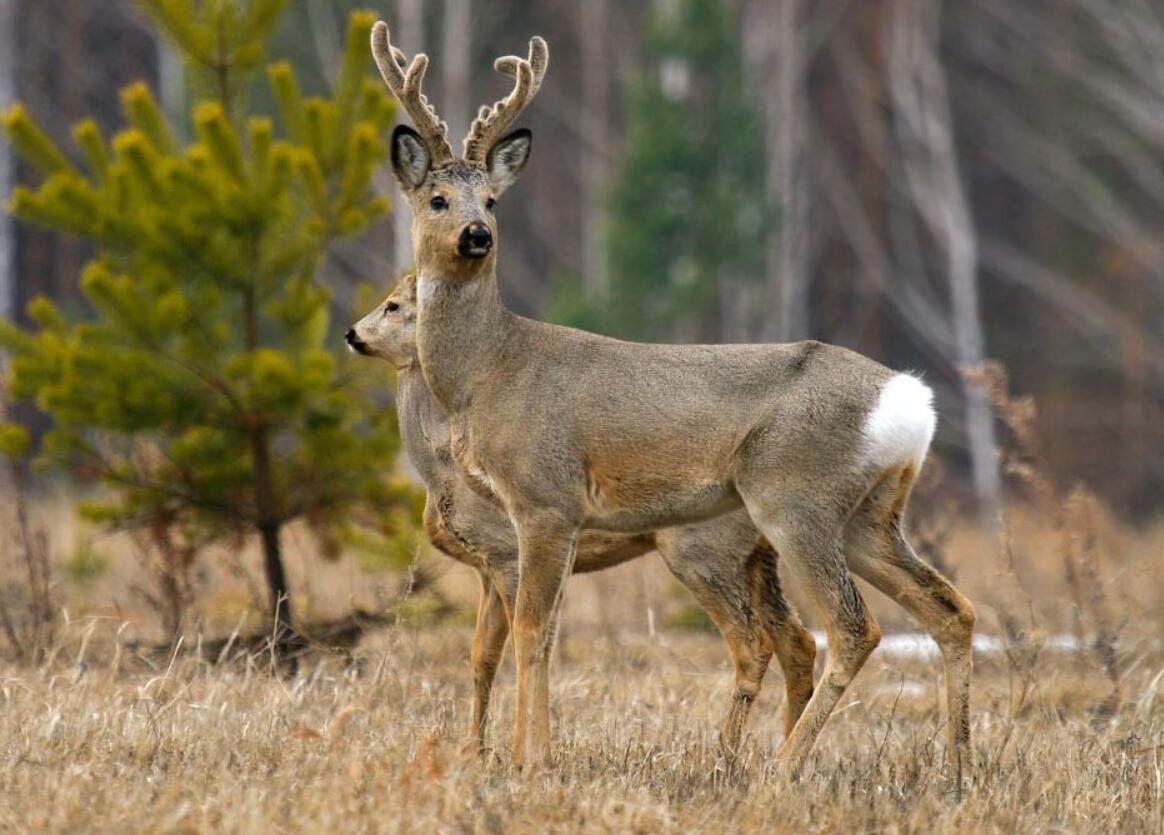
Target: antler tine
<point>539,60</point>
<point>406,86</point>
<point>493,121</point>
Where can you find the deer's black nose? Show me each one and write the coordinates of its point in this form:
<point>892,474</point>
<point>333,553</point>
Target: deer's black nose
<point>354,342</point>
<point>476,241</point>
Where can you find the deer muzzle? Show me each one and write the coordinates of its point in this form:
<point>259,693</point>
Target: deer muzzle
<point>354,342</point>
<point>476,241</point>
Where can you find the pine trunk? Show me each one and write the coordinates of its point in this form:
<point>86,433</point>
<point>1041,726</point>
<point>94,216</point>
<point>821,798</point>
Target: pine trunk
<point>280,594</point>
<point>267,518</point>
<point>269,529</point>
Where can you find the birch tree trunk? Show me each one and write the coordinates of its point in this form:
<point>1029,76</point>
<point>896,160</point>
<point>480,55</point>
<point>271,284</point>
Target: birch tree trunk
<point>930,158</point>
<point>595,144</point>
<point>409,13</point>
<point>783,60</point>
<point>456,54</point>
<point>327,37</point>
<point>171,84</point>
<point>595,147</point>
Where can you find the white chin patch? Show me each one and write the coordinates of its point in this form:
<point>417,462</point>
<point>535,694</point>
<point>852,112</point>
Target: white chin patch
<point>428,288</point>
<point>899,429</point>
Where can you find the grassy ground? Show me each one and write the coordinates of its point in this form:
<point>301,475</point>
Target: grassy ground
<point>99,739</point>
<point>100,742</point>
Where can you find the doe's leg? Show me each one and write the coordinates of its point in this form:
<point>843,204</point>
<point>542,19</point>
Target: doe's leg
<point>714,563</point>
<point>794,645</point>
<point>489,638</point>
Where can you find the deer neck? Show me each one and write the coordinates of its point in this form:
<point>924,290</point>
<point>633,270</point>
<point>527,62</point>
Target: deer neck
<point>462,327</point>
<point>423,427</point>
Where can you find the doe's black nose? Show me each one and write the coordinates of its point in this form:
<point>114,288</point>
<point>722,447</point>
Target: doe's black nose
<point>476,241</point>
<point>354,341</point>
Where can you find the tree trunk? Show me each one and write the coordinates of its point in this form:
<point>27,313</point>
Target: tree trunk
<point>280,594</point>
<point>269,526</point>
<point>410,18</point>
<point>921,103</point>
<point>7,99</point>
<point>456,52</point>
<point>596,71</point>
<point>267,518</point>
<point>328,37</point>
<point>172,85</point>
<point>786,126</point>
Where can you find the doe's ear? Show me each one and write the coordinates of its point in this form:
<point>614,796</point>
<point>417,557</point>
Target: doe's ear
<point>507,157</point>
<point>410,157</point>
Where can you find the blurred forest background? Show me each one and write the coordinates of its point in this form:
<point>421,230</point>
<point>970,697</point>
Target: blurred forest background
<point>934,184</point>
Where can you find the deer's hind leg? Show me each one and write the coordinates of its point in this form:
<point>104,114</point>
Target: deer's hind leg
<point>877,551</point>
<point>718,579</point>
<point>733,577</point>
<point>806,525</point>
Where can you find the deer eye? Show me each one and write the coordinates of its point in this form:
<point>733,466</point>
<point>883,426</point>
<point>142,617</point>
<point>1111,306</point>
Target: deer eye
<point>490,203</point>
<point>438,203</point>
<point>392,307</point>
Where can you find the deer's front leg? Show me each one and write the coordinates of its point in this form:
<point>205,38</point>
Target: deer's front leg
<point>546,546</point>
<point>488,644</point>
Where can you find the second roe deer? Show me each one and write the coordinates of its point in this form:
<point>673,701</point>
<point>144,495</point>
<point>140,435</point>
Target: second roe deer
<point>724,562</point>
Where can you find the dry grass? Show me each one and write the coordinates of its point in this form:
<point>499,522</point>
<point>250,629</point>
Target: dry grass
<point>95,740</point>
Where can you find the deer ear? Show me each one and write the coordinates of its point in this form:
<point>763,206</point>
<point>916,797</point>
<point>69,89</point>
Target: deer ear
<point>410,157</point>
<point>507,157</point>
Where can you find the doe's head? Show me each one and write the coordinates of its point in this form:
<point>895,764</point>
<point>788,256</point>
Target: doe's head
<point>389,331</point>
<point>454,231</point>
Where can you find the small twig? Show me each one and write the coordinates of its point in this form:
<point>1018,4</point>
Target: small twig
<point>889,724</point>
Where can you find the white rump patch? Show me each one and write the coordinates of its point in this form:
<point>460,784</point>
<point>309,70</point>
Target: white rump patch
<point>901,425</point>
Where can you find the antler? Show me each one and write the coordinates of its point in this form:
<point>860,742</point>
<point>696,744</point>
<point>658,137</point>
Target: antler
<point>405,85</point>
<point>492,122</point>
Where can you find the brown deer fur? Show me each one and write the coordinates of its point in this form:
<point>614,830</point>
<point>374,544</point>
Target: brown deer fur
<point>725,563</point>
<point>572,431</point>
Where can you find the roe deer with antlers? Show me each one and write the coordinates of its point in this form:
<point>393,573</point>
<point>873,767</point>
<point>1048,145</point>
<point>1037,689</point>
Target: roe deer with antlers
<point>724,562</point>
<point>570,431</point>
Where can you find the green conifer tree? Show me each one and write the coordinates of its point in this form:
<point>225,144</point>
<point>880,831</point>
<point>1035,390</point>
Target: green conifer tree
<point>205,385</point>
<point>689,212</point>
